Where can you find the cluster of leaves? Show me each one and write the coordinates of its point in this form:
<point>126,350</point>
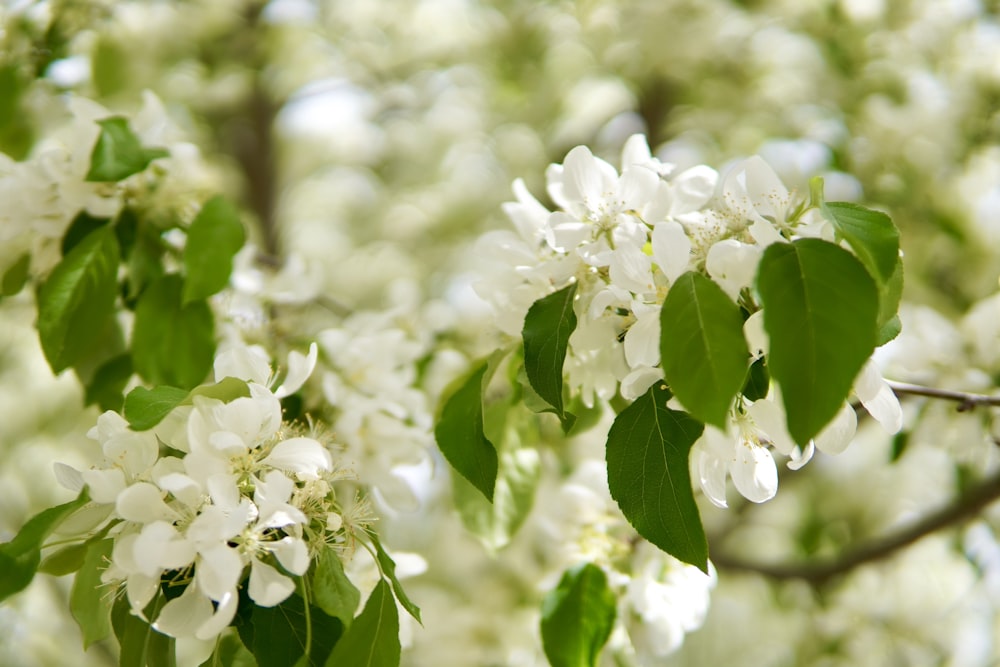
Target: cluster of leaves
<point>127,262</point>
<point>825,309</point>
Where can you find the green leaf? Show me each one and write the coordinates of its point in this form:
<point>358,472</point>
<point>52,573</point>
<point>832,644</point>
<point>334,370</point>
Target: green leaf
<point>459,431</point>
<point>332,591</point>
<point>81,227</point>
<point>172,343</point>
<point>373,638</point>
<point>279,634</point>
<point>90,600</point>
<point>64,561</point>
<point>212,241</point>
<point>19,558</point>
<point>547,327</point>
<point>16,276</point>
<point>820,312</point>
<point>230,652</point>
<point>78,298</point>
<point>388,568</point>
<point>871,234</point>
<point>758,381</point>
<point>702,349</point>
<point>118,153</point>
<point>107,387</point>
<point>577,617</point>
<point>648,476</point>
<point>141,645</point>
<point>145,408</point>
<point>143,248</point>
<point>889,295</point>
<point>496,523</point>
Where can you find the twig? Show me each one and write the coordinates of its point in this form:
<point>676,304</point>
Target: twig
<point>963,508</point>
<point>966,401</point>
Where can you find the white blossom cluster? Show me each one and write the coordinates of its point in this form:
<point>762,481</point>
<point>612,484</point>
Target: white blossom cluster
<point>217,498</point>
<point>624,239</point>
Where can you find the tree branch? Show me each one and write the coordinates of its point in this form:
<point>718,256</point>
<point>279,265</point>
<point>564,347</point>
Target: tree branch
<point>965,400</point>
<point>963,508</point>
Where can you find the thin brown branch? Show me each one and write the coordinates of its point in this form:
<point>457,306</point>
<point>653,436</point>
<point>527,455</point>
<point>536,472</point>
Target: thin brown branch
<point>966,401</point>
<point>962,509</point>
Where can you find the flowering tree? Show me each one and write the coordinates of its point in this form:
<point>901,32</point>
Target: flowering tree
<point>328,396</point>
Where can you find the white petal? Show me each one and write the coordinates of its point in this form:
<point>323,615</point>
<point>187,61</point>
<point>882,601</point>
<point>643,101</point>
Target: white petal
<point>220,620</point>
<point>564,232</point>
<point>303,456</point>
<point>218,571</point>
<point>104,485</point>
<point>300,367</point>
<point>140,589</point>
<point>693,188</point>
<point>162,547</point>
<point>292,554</point>
<point>631,268</point>
<point>642,341</point>
<point>769,418</point>
<point>837,435</point>
<point>757,338</point>
<point>733,265</point>
<point>671,249</point>
<point>636,152</point>
<point>182,616</point>
<point>636,383</point>
<point>268,587</point>
<point>68,477</point>
<point>878,398</point>
<point>243,362</point>
<point>711,472</point>
<point>754,473</point>
<point>637,187</point>
<point>584,177</point>
<point>143,502</point>
<point>801,457</point>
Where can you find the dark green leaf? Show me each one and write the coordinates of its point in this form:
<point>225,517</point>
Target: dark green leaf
<point>547,327</point>
<point>141,645</point>
<point>758,381</point>
<point>279,634</point>
<point>577,617</point>
<point>496,523</point>
<point>332,591</point>
<point>172,343</point>
<point>648,476</point>
<point>459,431</point>
<point>143,250</point>
<point>16,276</point>
<point>373,638</point>
<point>820,312</point>
<point>78,299</point>
<point>230,652</point>
<point>212,241</point>
<point>871,234</point>
<point>81,227</point>
<point>107,387</point>
<point>19,558</point>
<point>16,132</point>
<point>90,600</point>
<point>702,349</point>
<point>118,153</point>
<point>388,568</point>
<point>145,408</point>
<point>889,295</point>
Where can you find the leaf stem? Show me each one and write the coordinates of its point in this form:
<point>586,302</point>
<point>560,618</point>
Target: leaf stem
<point>308,616</point>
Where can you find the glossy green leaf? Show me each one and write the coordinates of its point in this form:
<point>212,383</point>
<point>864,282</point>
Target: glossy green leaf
<point>577,617</point>
<point>76,302</point>
<point>702,349</point>
<point>80,228</point>
<point>496,523</point>
<point>230,652</point>
<point>107,387</point>
<point>118,153</point>
<point>19,558</point>
<point>871,234</point>
<point>758,381</point>
<point>145,408</point>
<point>212,240</point>
<point>459,431</point>
<point>332,591</point>
<point>143,251</point>
<point>820,312</point>
<point>172,343</point>
<point>373,638</point>
<point>648,476</point>
<point>65,560</point>
<point>141,645</point>
<point>279,634</point>
<point>889,296</point>
<point>90,600</point>
<point>16,276</point>
<point>547,327</point>
<point>388,568</point>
